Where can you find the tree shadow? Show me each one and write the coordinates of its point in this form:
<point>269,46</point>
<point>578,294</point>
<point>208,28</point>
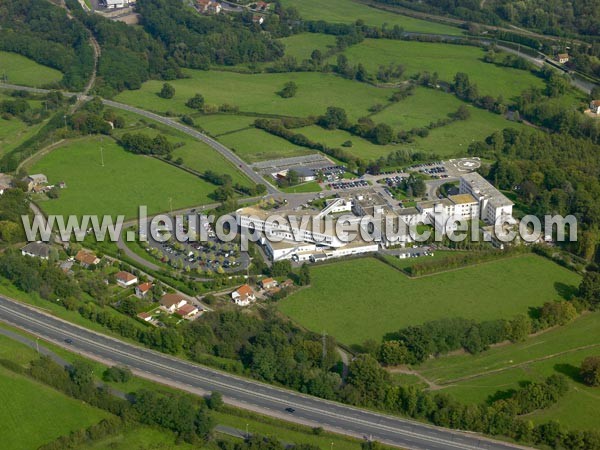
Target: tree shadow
<point>570,371</point>
<point>500,395</point>
<point>565,291</point>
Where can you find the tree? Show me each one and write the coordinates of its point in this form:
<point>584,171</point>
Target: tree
<point>520,328</point>
<point>393,353</point>
<point>334,118</point>
<point>281,268</point>
<point>289,90</point>
<point>167,91</point>
<point>382,134</point>
<point>117,374</point>
<point>215,401</point>
<point>196,102</point>
<point>304,275</point>
<point>590,370</point>
<point>589,289</point>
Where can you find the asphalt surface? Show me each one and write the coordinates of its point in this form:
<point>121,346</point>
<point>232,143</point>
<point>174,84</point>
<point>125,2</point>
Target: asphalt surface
<point>242,392</point>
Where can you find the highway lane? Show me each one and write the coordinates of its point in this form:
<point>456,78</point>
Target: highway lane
<point>242,392</point>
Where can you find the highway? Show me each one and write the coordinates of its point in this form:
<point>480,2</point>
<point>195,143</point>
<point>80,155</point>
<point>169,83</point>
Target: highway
<point>241,392</point>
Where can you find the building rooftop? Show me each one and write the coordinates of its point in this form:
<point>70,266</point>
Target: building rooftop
<point>481,187</point>
<point>38,249</point>
<point>461,199</point>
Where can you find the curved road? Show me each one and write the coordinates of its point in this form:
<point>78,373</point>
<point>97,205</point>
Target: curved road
<point>227,153</point>
<point>242,392</point>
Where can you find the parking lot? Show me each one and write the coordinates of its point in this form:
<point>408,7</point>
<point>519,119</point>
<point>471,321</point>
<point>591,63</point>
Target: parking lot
<point>341,185</point>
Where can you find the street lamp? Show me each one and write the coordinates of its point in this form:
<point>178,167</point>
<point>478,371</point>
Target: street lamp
<point>247,434</point>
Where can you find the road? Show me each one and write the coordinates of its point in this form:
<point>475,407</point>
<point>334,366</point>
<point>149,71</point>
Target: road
<point>244,393</point>
<point>227,153</point>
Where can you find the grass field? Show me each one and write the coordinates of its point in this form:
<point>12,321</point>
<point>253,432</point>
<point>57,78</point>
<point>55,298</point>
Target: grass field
<point>446,60</point>
<point>254,145</point>
<point>454,139</point>
<point>217,124</point>
<point>125,181</point>
<point>414,112</point>
<point>257,93</point>
<point>300,46</point>
<point>348,11</point>
<point>364,298</point>
<point>311,186</point>
<point>21,70</point>
<point>33,414</point>
<point>560,350</point>
<point>196,155</point>
<point>14,132</point>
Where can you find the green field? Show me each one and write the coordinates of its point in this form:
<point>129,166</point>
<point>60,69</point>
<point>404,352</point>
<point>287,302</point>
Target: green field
<point>217,124</point>
<point>417,111</point>
<point>349,11</point>
<point>33,414</point>
<point>300,46</point>
<point>454,139</point>
<point>20,70</point>
<point>254,145</point>
<point>125,181</point>
<point>364,298</point>
<point>257,93</point>
<point>13,132</point>
<point>503,368</point>
<point>361,148</point>
<point>446,60</point>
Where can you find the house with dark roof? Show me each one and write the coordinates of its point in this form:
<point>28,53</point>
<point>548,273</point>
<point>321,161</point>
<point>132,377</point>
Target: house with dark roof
<point>36,250</point>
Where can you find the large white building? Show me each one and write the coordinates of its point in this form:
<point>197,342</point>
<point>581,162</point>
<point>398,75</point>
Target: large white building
<point>493,205</point>
<point>302,235</point>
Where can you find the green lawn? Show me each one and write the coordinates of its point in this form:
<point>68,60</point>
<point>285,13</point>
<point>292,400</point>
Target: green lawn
<point>21,70</point>
<point>446,60</point>
<point>141,437</point>
<point>300,46</point>
<point>364,298</point>
<point>255,145</point>
<point>33,414</point>
<point>348,11</point>
<point>125,182</point>
<point>311,186</point>
<point>257,93</point>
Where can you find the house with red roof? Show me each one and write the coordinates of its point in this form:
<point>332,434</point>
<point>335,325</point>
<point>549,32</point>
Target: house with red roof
<point>126,279</point>
<point>244,295</point>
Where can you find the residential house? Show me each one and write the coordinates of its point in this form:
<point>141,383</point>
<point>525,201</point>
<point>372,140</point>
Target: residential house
<point>208,7</point>
<point>141,290</point>
<point>187,311</point>
<point>286,284</point>
<point>86,259</point>
<point>268,283</point>
<point>595,106</point>
<point>126,279</point>
<point>243,296</point>
<point>172,302</point>
<point>258,19</point>
<point>145,316</point>
<point>36,250</point>
<point>562,58</point>
<point>35,181</point>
